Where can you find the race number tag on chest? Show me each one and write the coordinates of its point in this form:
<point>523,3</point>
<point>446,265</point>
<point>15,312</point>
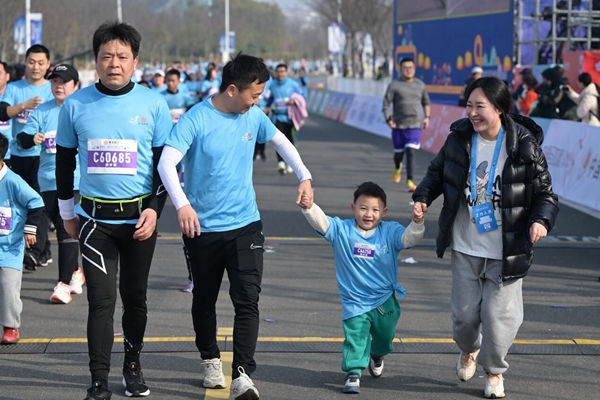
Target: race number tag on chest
<point>362,250</point>
<point>112,156</point>
<point>50,142</point>
<point>5,220</point>
<point>484,217</point>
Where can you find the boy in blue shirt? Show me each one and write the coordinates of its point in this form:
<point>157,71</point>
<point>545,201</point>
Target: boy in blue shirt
<point>217,137</point>
<point>20,212</point>
<point>365,251</point>
<point>178,101</point>
<point>40,130</point>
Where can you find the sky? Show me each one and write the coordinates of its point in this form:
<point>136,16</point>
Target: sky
<point>288,5</point>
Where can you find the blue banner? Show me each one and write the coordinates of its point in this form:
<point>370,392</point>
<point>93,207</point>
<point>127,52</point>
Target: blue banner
<point>447,46</point>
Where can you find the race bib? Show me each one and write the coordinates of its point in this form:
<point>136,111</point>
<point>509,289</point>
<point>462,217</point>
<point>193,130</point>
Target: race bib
<point>282,104</point>
<point>5,220</point>
<point>362,250</point>
<point>484,217</point>
<point>112,156</point>
<point>176,114</point>
<point>4,124</point>
<point>50,142</point>
<point>23,116</point>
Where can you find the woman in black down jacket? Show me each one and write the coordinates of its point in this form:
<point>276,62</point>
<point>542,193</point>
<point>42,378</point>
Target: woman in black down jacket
<point>492,228</point>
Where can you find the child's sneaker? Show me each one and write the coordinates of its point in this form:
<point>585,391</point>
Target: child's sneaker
<point>77,281</point>
<point>62,294</point>
<point>213,374</point>
<point>98,391</point>
<point>494,386</point>
<point>466,365</point>
<point>410,186</point>
<point>352,384</point>
<point>10,336</point>
<point>30,263</point>
<point>133,380</point>
<point>376,366</point>
<point>242,388</point>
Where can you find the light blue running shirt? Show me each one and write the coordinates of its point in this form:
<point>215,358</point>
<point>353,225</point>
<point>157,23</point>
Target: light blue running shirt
<point>219,153</point>
<point>18,92</point>
<point>177,103</point>
<point>281,93</point>
<point>366,269</point>
<point>114,136</point>
<point>16,199</point>
<point>6,130</point>
<point>44,119</point>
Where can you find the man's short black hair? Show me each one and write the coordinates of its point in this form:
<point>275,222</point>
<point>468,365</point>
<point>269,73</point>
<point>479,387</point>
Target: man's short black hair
<point>173,71</point>
<point>242,71</point>
<point>115,30</point>
<point>38,48</point>
<point>406,59</point>
<point>282,65</point>
<point>370,189</point>
<point>3,146</point>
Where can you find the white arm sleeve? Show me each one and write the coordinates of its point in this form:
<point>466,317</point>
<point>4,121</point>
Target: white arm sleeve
<point>413,234</point>
<point>67,209</point>
<point>167,168</point>
<point>316,218</point>
<point>291,156</point>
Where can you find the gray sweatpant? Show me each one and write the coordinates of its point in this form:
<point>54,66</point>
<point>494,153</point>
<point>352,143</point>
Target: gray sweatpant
<point>486,313</point>
<point>10,297</point>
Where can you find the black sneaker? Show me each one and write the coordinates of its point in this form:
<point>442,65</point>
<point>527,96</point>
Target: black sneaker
<point>30,262</point>
<point>352,383</point>
<point>98,392</point>
<point>133,380</point>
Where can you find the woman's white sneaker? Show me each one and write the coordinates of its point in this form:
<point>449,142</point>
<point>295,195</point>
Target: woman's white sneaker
<point>213,374</point>
<point>242,388</point>
<point>466,365</point>
<point>77,281</point>
<point>62,294</point>
<point>494,387</point>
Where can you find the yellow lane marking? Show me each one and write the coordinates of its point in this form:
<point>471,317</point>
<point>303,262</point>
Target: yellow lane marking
<point>226,333</point>
<point>226,359</point>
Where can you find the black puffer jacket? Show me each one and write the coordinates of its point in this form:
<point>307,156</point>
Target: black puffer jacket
<point>527,195</point>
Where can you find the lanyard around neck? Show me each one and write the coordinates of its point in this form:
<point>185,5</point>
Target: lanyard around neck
<point>492,176</point>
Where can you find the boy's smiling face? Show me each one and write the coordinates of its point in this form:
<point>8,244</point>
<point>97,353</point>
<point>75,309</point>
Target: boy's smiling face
<point>368,211</point>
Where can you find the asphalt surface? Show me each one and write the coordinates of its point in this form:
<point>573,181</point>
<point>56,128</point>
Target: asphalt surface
<point>556,355</point>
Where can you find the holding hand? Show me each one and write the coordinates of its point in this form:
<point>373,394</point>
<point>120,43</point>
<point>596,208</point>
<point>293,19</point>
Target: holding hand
<point>305,194</point>
<point>419,211</point>
<point>537,232</point>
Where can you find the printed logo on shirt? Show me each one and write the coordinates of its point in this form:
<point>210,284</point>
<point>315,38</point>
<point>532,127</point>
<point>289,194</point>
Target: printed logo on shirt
<point>7,203</point>
<point>384,249</point>
<point>247,137</point>
<point>362,250</point>
<point>137,120</point>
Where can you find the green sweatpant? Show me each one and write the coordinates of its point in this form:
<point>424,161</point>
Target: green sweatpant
<point>369,333</point>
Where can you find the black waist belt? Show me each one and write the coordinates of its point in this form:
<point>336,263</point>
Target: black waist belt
<point>114,209</point>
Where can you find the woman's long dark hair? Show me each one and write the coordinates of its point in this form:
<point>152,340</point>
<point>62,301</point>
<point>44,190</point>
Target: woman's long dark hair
<point>497,93</point>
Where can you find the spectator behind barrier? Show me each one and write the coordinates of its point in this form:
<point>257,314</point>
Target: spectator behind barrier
<point>587,100</point>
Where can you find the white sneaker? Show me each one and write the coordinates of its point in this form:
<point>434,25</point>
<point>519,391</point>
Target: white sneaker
<point>243,388</point>
<point>289,169</point>
<point>376,366</point>
<point>281,167</point>
<point>494,387</point>
<point>466,365</point>
<point>213,374</point>
<point>62,294</point>
<point>352,383</point>
<point>77,281</point>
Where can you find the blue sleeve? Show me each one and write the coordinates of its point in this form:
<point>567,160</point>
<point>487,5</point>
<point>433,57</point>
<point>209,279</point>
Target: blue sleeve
<point>65,132</point>
<point>7,97</point>
<point>184,132</point>
<point>297,88</point>
<point>27,197</point>
<point>34,123</point>
<point>162,125</point>
<point>395,233</point>
<point>266,129</point>
<point>334,229</point>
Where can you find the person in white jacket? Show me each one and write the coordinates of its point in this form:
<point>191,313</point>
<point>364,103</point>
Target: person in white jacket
<point>587,100</point>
